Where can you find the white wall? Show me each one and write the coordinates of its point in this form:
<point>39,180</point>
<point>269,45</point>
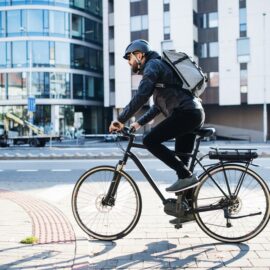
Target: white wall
<point>259,47</point>
<point>229,70</point>
<point>182,25</point>
<point>121,40</point>
<point>155,24</point>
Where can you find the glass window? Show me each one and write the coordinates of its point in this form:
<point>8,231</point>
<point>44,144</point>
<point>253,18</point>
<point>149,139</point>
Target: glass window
<point>40,85</point>
<point>77,26</point>
<point>2,23</point>
<point>16,86</point>
<point>203,50</point>
<point>144,22</point>
<point>34,21</point>
<point>79,3</point>
<point>78,56</point>
<point>203,21</point>
<point>135,23</point>
<point>166,18</point>
<point>62,54</point>
<point>242,15</point>
<point>99,87</point>
<point>3,61</point>
<point>40,53</point>
<point>94,6</point>
<point>213,19</point>
<point>213,49</point>
<point>90,87</point>
<point>19,53</point>
<point>243,46</point>
<point>138,23</point>
<point>13,22</point>
<point>78,86</point>
<point>2,86</point>
<point>243,30</point>
<point>59,85</point>
<point>213,79</point>
<point>57,23</point>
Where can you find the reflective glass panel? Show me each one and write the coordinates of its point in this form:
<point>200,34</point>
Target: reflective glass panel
<point>77,26</point>
<point>213,49</point>
<point>59,85</point>
<point>90,87</point>
<point>243,46</point>
<point>213,19</point>
<point>57,23</point>
<point>16,86</point>
<point>39,88</point>
<point>19,54</point>
<point>2,86</point>
<point>3,61</point>
<point>34,22</point>
<point>40,53</point>
<point>78,86</point>
<point>135,23</point>
<point>79,58</point>
<point>62,54</point>
<point>13,22</point>
<point>2,23</point>
<point>213,79</point>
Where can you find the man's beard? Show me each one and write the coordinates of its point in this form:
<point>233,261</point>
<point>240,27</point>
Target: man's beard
<point>135,68</point>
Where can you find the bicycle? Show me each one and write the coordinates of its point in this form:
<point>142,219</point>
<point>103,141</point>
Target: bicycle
<point>230,203</point>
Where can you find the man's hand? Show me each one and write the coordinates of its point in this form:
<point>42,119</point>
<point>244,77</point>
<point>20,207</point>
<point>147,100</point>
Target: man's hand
<point>135,125</point>
<point>115,126</point>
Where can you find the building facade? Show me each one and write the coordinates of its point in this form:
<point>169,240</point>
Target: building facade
<point>227,38</point>
<point>52,50</point>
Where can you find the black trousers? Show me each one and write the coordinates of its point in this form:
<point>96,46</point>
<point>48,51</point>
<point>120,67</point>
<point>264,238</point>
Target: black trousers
<point>180,126</point>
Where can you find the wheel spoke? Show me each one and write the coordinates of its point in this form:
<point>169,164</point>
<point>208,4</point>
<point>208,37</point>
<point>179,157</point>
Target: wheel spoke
<point>101,221</point>
<point>253,197</point>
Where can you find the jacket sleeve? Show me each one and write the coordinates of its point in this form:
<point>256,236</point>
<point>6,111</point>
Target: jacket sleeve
<point>149,115</point>
<point>145,91</point>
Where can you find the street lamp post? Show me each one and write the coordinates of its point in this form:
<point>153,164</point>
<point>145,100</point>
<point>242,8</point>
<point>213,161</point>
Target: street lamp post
<point>265,127</point>
<point>30,112</point>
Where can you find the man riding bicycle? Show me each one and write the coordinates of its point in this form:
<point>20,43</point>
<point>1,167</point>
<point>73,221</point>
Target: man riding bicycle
<point>183,112</point>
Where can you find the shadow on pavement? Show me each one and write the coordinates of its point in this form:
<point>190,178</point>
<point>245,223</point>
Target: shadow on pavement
<point>163,255</point>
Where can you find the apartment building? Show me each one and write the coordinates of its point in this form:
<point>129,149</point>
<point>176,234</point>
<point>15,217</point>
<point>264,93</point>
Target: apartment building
<point>51,50</point>
<point>227,38</point>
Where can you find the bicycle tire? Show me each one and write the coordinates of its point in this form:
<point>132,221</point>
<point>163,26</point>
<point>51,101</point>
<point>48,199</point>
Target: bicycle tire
<point>246,203</point>
<point>104,222</point>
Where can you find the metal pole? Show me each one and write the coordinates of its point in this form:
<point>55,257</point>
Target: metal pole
<point>265,128</point>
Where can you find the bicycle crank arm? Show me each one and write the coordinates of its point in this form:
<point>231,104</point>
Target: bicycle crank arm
<point>250,215</point>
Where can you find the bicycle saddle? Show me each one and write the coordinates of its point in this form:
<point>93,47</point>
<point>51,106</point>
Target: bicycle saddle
<point>205,132</point>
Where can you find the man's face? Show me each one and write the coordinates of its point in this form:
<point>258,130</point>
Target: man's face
<point>133,62</point>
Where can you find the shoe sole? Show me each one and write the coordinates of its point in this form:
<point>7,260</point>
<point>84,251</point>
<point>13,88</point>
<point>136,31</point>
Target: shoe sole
<point>185,188</point>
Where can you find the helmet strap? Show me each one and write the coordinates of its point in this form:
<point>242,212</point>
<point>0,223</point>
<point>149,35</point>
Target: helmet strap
<point>139,62</point>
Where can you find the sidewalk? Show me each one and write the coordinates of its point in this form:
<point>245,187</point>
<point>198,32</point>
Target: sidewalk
<point>153,244</point>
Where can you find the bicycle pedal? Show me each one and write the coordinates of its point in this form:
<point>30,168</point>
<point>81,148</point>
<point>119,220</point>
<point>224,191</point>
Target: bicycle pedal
<point>178,226</point>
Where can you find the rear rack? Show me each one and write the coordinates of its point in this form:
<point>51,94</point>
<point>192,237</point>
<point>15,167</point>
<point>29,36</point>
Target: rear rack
<point>233,154</point>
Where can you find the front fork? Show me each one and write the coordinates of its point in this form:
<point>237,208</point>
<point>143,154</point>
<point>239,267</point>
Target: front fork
<point>109,198</point>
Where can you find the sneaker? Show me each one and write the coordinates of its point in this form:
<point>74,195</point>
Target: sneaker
<point>183,184</point>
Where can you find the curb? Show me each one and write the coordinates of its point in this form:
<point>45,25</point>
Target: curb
<point>101,155</point>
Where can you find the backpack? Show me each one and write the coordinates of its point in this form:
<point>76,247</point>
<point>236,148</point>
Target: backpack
<point>187,70</point>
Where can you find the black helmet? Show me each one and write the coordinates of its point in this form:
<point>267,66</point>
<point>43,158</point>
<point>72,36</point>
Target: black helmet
<point>140,45</point>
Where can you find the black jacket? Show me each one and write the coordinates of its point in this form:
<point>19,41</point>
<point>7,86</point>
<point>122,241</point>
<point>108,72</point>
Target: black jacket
<point>154,71</point>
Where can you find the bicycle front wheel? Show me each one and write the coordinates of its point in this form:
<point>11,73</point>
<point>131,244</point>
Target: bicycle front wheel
<point>248,209</point>
<point>98,220</point>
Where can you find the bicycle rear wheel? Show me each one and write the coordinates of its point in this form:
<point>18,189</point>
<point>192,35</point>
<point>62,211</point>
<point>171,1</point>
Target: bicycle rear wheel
<point>100,221</point>
<point>248,210</point>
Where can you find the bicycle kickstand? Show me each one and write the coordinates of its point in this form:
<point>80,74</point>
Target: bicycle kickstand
<point>179,210</point>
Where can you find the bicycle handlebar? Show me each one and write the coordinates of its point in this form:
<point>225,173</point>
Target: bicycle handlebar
<point>126,131</point>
